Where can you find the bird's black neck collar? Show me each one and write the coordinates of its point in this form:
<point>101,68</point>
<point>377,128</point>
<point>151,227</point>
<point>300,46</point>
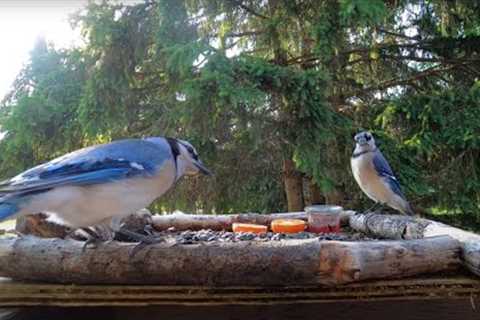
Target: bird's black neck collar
<point>173,143</point>
<point>358,154</point>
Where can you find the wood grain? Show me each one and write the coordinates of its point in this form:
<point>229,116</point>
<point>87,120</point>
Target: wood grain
<point>292,262</point>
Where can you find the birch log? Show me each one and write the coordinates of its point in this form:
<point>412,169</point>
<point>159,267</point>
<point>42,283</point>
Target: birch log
<point>403,227</point>
<point>292,262</point>
<point>181,221</point>
<point>224,221</point>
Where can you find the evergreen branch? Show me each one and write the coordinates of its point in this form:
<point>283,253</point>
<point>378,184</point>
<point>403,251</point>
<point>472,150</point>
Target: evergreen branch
<point>417,59</point>
<point>401,81</point>
<point>398,35</point>
<point>248,9</point>
<point>423,59</point>
<point>245,33</point>
<point>238,34</point>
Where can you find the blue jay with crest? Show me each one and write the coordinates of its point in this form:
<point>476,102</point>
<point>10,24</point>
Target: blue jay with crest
<point>102,183</point>
<point>374,175</point>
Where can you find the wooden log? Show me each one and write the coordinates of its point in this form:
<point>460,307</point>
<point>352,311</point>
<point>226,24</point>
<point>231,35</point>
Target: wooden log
<point>403,227</point>
<point>291,262</point>
<point>181,221</point>
<point>364,260</point>
<point>470,243</point>
<point>388,226</point>
<point>39,226</point>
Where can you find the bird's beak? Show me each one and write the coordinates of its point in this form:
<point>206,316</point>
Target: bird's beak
<point>199,164</point>
<point>361,140</point>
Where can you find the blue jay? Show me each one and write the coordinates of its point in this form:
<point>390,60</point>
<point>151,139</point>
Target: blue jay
<point>374,175</point>
<point>102,183</point>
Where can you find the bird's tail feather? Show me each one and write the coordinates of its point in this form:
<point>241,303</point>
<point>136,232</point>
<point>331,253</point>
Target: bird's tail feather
<point>408,209</point>
<point>7,210</point>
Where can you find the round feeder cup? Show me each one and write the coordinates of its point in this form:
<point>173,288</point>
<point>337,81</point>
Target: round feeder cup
<point>323,218</point>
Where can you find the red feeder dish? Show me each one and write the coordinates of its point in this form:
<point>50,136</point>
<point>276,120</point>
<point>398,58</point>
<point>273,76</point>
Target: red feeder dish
<point>323,218</point>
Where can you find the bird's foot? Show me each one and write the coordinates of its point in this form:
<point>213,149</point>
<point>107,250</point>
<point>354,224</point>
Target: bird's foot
<point>95,237</point>
<point>376,208</point>
<point>143,240</point>
<point>149,230</point>
<point>373,208</point>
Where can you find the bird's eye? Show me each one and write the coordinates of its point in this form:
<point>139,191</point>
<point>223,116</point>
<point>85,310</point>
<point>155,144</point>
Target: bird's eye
<point>368,138</point>
<point>192,152</point>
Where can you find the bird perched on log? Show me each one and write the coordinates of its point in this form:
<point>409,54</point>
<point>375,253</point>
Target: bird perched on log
<point>374,175</point>
<point>101,183</point>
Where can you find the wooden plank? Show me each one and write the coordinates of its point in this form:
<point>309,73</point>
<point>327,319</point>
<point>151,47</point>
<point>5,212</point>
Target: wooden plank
<point>36,294</point>
<point>225,263</point>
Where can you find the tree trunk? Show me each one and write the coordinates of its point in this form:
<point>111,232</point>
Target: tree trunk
<point>292,179</point>
<point>293,186</point>
<point>316,196</point>
<point>335,172</point>
<point>292,262</point>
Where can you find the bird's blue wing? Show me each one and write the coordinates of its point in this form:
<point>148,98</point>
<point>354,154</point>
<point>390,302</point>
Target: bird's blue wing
<point>385,171</point>
<point>80,173</point>
<point>93,165</point>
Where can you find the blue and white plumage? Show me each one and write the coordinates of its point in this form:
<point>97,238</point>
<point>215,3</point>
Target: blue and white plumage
<point>95,184</point>
<point>375,176</point>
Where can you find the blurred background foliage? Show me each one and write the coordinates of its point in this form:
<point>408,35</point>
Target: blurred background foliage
<point>270,92</point>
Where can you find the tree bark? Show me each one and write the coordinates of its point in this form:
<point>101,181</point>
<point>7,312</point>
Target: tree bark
<point>293,186</point>
<point>38,226</point>
<point>293,180</point>
<point>315,193</point>
<point>182,222</point>
<point>293,262</point>
<point>404,227</point>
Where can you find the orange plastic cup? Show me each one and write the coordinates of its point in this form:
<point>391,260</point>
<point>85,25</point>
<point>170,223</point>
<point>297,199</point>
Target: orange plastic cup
<point>249,227</point>
<point>288,225</point>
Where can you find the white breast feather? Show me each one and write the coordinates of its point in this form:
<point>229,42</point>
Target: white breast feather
<point>365,176</point>
<point>82,206</point>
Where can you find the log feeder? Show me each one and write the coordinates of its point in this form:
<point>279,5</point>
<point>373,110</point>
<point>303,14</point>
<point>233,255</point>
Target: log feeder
<point>403,227</point>
<point>292,262</point>
<point>180,221</point>
<point>419,246</point>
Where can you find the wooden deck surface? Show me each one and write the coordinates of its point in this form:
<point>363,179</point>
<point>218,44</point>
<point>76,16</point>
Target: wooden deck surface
<point>17,294</point>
